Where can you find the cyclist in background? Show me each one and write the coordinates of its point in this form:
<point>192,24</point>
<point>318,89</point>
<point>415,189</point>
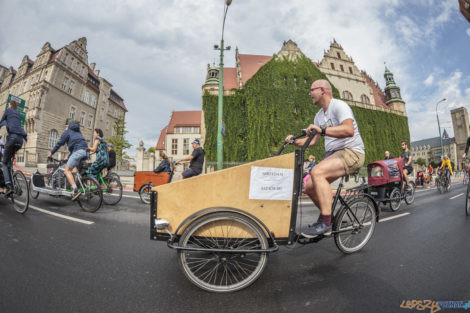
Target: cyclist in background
<point>16,135</point>
<point>446,166</point>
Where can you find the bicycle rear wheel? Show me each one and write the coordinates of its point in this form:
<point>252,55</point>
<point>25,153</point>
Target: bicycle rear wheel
<point>92,196</point>
<point>354,234</point>
<point>219,271</point>
<point>112,193</point>
<point>20,195</point>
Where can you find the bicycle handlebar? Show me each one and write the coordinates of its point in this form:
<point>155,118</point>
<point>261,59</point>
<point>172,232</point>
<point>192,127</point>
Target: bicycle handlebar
<point>292,140</point>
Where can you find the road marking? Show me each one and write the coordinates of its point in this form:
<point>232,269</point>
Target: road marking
<point>135,197</point>
<point>456,196</point>
<point>393,217</point>
<point>74,219</point>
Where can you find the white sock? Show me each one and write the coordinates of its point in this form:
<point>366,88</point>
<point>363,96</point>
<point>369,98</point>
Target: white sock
<point>74,187</point>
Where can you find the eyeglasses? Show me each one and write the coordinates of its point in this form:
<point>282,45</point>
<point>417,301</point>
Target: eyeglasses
<point>312,89</point>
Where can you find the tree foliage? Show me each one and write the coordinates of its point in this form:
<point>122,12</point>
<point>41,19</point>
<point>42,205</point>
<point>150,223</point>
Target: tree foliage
<point>274,103</point>
<point>118,140</point>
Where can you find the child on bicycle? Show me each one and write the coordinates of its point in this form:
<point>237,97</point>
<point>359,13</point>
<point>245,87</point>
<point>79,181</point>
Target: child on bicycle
<point>447,167</point>
<point>77,146</point>
<point>16,135</point>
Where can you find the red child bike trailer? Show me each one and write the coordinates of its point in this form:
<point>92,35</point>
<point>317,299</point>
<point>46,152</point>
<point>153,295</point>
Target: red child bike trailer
<point>384,179</point>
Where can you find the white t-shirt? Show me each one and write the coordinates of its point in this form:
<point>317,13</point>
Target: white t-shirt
<point>339,111</point>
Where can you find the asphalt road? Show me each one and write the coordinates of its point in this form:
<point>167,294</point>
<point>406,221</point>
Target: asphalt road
<point>105,262</point>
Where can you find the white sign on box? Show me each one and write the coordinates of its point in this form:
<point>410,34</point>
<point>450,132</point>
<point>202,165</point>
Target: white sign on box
<point>268,183</point>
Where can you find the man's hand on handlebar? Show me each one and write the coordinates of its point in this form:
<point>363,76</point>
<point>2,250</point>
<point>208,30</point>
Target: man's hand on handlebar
<point>312,128</point>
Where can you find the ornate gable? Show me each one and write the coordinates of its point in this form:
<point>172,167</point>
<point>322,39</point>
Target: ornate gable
<point>290,51</point>
<point>78,47</point>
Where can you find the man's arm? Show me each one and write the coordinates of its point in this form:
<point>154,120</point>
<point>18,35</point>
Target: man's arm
<point>410,158</point>
<point>59,143</point>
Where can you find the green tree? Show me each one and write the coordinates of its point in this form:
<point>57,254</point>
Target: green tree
<point>420,161</point>
<point>151,149</point>
<point>120,143</point>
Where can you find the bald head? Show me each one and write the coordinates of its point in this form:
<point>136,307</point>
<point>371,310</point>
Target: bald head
<point>324,84</point>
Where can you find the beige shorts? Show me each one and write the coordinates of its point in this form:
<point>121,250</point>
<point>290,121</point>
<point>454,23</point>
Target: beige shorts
<point>352,159</point>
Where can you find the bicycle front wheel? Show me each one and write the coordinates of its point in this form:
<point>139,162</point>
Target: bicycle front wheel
<point>410,193</point>
<point>91,196</point>
<point>219,271</point>
<point>467,201</point>
<point>355,225</point>
<point>112,191</point>
<point>144,193</point>
<point>20,195</point>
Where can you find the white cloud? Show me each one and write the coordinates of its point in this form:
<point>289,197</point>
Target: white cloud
<point>468,31</point>
<point>155,52</point>
<point>429,80</point>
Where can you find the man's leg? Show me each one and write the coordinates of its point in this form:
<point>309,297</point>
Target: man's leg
<point>319,190</point>
<point>405,175</point>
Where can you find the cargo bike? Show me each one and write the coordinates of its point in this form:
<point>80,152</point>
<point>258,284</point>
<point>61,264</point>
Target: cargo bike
<point>385,179</point>
<point>223,231</point>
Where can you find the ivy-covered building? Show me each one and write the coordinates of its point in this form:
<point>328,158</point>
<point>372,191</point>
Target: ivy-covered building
<point>267,97</point>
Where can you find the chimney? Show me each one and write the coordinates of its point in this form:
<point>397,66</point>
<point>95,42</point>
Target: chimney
<point>92,66</point>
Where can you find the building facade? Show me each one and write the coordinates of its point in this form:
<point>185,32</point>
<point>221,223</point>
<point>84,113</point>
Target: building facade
<point>430,149</point>
<point>58,85</point>
<point>175,140</point>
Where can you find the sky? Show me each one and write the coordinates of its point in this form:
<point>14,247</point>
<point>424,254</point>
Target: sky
<point>155,53</point>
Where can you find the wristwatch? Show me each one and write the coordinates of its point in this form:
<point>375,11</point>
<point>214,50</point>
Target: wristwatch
<point>323,131</point>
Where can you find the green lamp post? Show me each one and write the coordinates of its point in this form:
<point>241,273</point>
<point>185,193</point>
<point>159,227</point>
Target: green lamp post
<point>439,125</point>
<point>220,144</point>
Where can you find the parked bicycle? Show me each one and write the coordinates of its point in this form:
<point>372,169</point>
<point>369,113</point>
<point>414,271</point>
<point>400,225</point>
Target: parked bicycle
<point>55,184</point>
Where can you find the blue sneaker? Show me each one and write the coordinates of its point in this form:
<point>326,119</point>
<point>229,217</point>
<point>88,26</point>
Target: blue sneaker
<point>319,228</point>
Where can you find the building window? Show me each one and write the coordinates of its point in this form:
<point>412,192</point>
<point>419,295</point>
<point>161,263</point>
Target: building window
<point>75,66</point>
<point>24,86</point>
<point>341,67</point>
<point>347,95</point>
<point>72,113</point>
<point>174,146</point>
<point>53,135</point>
<point>82,118</point>
<point>365,99</point>
<point>90,121</point>
<point>350,70</point>
<point>71,62</point>
<point>339,55</point>
<point>332,66</point>
<point>115,112</point>
<point>45,75</point>
<point>196,130</point>
<point>186,146</point>
<point>93,101</point>
<point>71,86</point>
<point>101,113</point>
<point>64,84</point>
<point>86,96</point>
<point>65,56</point>
<point>82,70</point>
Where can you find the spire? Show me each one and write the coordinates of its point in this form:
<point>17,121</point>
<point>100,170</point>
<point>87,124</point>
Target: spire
<point>392,91</point>
<point>445,135</point>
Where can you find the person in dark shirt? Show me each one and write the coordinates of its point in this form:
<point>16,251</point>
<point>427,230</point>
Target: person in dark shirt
<point>408,160</point>
<point>111,157</point>
<point>16,135</point>
<point>164,166</point>
<point>77,146</point>
<point>387,155</point>
<point>196,161</point>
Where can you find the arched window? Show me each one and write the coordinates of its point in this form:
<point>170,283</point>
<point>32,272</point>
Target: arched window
<point>365,99</point>
<point>347,95</point>
<point>53,135</point>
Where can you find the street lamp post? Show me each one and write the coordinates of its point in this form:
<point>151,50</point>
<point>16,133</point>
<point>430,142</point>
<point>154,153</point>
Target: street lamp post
<point>439,125</point>
<point>220,144</point>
